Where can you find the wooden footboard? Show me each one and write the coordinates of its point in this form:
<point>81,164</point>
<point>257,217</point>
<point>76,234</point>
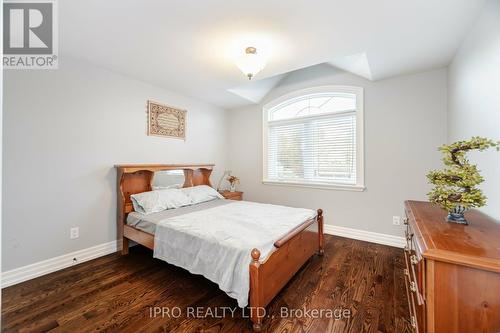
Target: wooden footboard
<point>267,278</point>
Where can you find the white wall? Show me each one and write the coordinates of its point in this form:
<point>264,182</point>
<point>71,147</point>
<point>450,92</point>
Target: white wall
<point>63,132</point>
<point>65,129</point>
<point>405,122</point>
<point>474,97</point>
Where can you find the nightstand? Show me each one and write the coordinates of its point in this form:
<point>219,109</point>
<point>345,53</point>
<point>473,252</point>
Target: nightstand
<point>236,195</point>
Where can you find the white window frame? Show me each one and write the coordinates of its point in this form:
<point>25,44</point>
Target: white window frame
<point>360,168</point>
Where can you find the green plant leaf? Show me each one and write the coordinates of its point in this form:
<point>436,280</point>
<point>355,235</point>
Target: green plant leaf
<point>457,183</point>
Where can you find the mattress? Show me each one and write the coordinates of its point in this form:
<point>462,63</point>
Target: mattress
<point>148,222</point>
<point>217,242</point>
<point>215,238</point>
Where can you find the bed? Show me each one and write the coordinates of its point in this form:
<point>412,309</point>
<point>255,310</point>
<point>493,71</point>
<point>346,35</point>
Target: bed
<point>263,264</point>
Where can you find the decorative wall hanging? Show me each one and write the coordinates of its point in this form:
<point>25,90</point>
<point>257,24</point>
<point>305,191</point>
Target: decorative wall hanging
<point>166,121</point>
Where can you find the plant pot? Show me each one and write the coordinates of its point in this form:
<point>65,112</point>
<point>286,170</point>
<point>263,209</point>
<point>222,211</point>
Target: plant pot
<point>457,215</point>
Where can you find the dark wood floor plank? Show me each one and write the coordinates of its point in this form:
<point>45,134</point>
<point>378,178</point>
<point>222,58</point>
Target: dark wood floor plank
<point>57,304</point>
<point>116,294</point>
<point>400,316</point>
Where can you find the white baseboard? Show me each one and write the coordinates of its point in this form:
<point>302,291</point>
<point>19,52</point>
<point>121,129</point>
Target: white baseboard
<point>40,268</point>
<point>28,272</point>
<point>368,236</point>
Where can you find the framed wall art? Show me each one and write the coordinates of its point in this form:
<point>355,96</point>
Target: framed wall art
<point>166,121</point>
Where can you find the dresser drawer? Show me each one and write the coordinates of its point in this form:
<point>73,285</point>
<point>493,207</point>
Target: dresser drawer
<point>411,238</point>
<point>415,279</point>
<point>416,262</point>
<point>411,304</point>
<point>416,301</point>
<point>412,271</point>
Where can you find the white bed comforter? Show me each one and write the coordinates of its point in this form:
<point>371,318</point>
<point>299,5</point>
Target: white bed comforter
<point>217,242</point>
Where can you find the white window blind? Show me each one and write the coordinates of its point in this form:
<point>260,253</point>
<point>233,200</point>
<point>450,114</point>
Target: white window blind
<point>312,139</point>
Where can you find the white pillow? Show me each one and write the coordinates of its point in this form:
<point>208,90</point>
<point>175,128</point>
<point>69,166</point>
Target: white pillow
<point>157,201</point>
<point>201,193</point>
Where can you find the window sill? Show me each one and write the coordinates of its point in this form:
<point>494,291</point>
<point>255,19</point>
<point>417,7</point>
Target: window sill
<point>355,188</point>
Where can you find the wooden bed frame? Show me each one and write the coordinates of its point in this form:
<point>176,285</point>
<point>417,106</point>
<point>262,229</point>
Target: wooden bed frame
<point>267,278</point>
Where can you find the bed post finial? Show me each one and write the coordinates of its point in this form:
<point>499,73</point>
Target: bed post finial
<point>255,255</point>
<point>255,291</point>
<point>321,241</point>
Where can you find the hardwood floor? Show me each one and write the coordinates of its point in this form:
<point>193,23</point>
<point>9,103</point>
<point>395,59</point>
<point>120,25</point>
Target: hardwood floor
<point>119,294</point>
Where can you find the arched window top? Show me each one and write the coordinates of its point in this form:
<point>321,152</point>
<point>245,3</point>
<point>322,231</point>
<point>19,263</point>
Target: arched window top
<point>313,104</point>
<point>314,137</point>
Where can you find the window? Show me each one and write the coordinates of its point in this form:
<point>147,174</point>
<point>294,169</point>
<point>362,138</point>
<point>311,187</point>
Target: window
<point>314,138</point>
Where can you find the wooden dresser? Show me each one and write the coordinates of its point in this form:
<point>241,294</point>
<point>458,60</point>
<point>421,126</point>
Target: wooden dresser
<point>452,271</point>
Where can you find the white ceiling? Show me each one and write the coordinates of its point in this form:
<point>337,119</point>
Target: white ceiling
<point>189,46</point>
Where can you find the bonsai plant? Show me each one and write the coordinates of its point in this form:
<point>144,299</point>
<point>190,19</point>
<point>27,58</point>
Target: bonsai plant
<point>456,186</point>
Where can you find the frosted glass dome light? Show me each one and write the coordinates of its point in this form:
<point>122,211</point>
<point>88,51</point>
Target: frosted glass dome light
<point>251,62</point>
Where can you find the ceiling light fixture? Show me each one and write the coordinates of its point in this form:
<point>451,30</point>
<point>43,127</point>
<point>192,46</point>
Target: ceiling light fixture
<point>251,62</point>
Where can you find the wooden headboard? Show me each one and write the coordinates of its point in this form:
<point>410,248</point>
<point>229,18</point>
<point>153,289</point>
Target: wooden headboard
<point>137,178</point>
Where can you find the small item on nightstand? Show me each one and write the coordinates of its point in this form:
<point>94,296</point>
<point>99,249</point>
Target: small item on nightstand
<point>222,178</point>
<point>236,195</point>
<point>233,180</point>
